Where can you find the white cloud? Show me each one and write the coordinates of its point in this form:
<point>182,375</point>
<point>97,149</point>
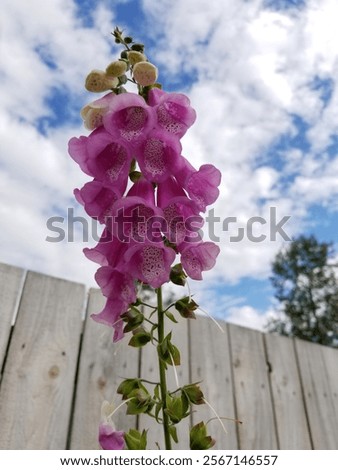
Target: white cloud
<point>44,47</point>
<point>254,68</point>
<point>249,317</point>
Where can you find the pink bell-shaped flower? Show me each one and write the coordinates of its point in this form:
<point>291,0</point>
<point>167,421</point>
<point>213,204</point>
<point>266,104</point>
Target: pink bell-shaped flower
<point>108,251</point>
<point>110,439</point>
<point>159,156</point>
<point>129,118</point>
<point>134,217</point>
<point>201,185</point>
<point>120,290</point>
<point>101,157</point>
<point>97,199</point>
<point>149,263</point>
<point>198,257</point>
<point>173,111</point>
<point>181,214</point>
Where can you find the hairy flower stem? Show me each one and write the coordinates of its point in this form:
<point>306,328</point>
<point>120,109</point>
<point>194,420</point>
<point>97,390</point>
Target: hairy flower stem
<point>163,379</point>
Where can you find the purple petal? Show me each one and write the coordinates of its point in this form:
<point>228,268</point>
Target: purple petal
<point>110,439</point>
<point>155,95</point>
<point>174,113</point>
<point>198,257</point>
<point>109,250</point>
<point>159,156</point>
<point>150,263</point>
<point>97,199</point>
<point>116,285</point>
<point>129,118</point>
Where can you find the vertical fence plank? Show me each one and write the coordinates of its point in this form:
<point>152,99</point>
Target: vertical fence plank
<point>211,365</point>
<point>149,371</point>
<point>292,427</point>
<point>37,386</point>
<point>10,284</point>
<point>319,373</point>
<point>103,365</point>
<point>252,389</point>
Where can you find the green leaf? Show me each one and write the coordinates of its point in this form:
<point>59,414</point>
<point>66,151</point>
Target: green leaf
<point>158,408</point>
<point>153,329</point>
<point>143,440</point>
<point>185,401</point>
<point>177,275</point>
<point>141,401</point>
<point>157,392</point>
<point>186,307</point>
<point>135,440</point>
<point>199,440</point>
<point>194,394</point>
<point>174,355</point>
<point>173,433</point>
<point>170,316</point>
<point>141,394</point>
<point>127,386</point>
<point>134,407</point>
<point>176,409</point>
<point>164,345</point>
<point>168,352</point>
<point>134,318</point>
<point>133,388</point>
<point>140,338</point>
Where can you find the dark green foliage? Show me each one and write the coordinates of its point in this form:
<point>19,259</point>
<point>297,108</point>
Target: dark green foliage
<point>199,440</point>
<point>136,440</point>
<point>307,288</point>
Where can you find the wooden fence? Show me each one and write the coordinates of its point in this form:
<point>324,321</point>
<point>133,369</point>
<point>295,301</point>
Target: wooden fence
<point>56,369</point>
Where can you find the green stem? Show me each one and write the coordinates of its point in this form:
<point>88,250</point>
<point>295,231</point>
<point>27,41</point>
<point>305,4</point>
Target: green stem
<point>163,380</point>
<point>148,305</point>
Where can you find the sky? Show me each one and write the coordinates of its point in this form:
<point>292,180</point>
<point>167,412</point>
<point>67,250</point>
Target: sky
<point>262,76</point>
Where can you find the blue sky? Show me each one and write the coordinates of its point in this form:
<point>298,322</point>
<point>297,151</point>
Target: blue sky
<point>262,76</point>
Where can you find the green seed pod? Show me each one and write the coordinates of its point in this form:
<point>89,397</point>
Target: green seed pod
<point>123,79</point>
<point>138,47</point>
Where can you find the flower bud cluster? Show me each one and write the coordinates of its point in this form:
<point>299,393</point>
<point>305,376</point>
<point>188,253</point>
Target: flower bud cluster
<point>132,60</point>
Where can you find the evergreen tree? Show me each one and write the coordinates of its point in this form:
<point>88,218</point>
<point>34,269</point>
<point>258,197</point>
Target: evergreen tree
<point>306,286</point>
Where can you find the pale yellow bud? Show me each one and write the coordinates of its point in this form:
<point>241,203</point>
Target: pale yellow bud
<point>98,81</point>
<point>84,111</point>
<point>116,68</point>
<point>94,118</point>
<point>93,113</point>
<point>145,73</point>
<point>135,56</point>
